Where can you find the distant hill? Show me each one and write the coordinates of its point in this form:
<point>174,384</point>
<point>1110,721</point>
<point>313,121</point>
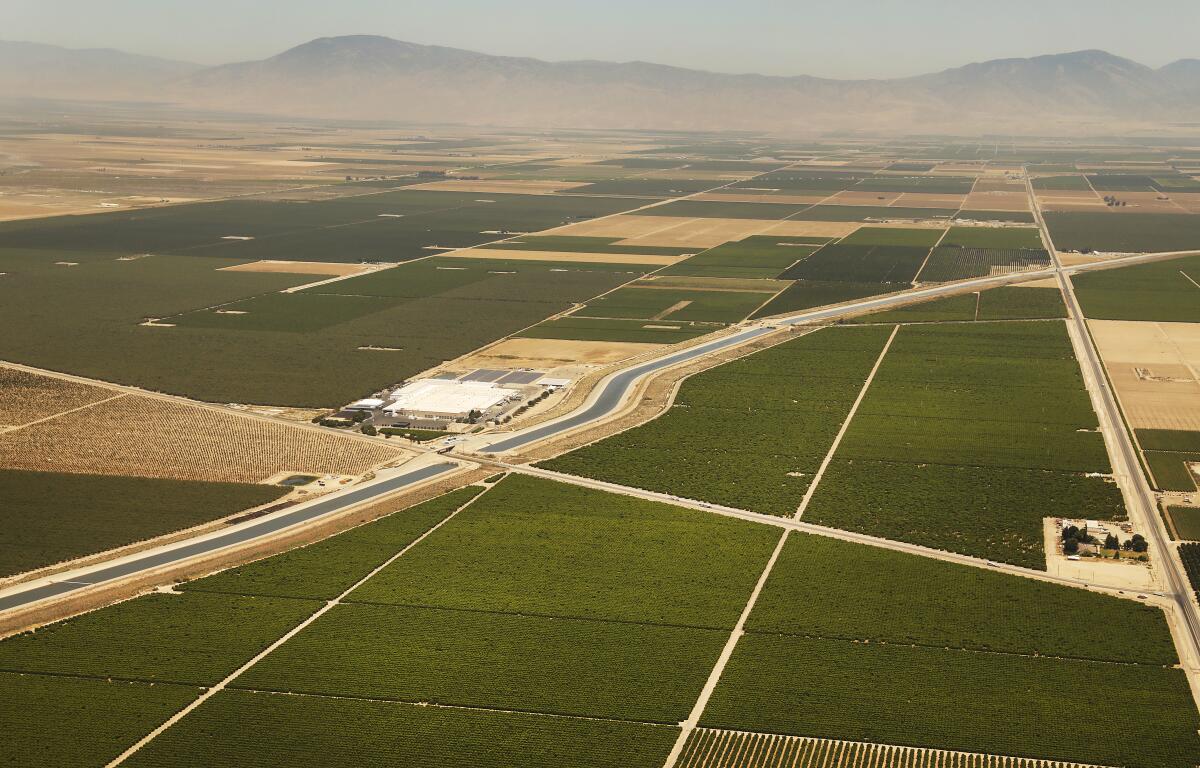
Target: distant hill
<point>378,78</point>
<point>48,71</point>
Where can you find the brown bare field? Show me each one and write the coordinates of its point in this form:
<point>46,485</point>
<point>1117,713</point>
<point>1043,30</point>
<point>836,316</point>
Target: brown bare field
<point>502,186</point>
<point>711,748</point>
<point>849,197</point>
<point>996,201</point>
<point>925,200</point>
<point>670,231</point>
<point>26,397</point>
<point>574,256</point>
<point>551,353</point>
<point>1075,200</point>
<point>298,267</point>
<point>986,184</point>
<point>1150,202</point>
<point>792,228</point>
<point>145,436</point>
<point>1153,367</point>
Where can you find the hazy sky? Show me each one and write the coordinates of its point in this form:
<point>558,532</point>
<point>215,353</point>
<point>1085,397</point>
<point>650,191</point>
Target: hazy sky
<point>832,38</point>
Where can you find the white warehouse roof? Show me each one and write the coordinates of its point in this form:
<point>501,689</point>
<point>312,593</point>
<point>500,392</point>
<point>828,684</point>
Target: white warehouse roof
<point>441,396</point>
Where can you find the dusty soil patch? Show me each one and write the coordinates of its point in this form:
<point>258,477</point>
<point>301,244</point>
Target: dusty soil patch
<point>924,200</point>
<point>667,231</point>
<point>502,186</point>
<point>572,256</point>
<point>813,228</point>
<point>297,267</point>
<point>26,397</point>
<point>996,201</point>
<point>1153,367</point>
<point>551,353</point>
<point>143,436</point>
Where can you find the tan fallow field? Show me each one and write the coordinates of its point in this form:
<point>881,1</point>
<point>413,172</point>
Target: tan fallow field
<point>926,200</point>
<point>1153,367</point>
<point>570,256</point>
<point>850,197</point>
<point>551,353</point>
<point>333,269</point>
<point>996,201</point>
<point>502,186</point>
<point>110,431</point>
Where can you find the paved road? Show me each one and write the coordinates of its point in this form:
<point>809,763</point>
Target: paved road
<point>1139,497</point>
<point>62,584</point>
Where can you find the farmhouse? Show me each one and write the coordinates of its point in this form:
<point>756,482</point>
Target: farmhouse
<point>442,400</point>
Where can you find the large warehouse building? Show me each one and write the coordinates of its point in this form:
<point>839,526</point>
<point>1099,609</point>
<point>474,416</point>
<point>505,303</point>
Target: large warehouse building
<point>438,399</point>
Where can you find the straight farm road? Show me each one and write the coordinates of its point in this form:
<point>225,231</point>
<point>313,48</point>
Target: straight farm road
<point>1139,497</point>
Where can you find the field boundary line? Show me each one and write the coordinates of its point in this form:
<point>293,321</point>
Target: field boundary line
<point>837,441</point>
<point>328,606</point>
<point>917,276</point>
<point>688,726</point>
<point>52,417</point>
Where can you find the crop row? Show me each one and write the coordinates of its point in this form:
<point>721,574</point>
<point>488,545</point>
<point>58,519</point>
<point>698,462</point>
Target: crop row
<point>597,556</point>
<point>264,730</point>
<point>869,594</point>
<point>958,700</point>
<point>651,673</point>
<point>1163,291</point>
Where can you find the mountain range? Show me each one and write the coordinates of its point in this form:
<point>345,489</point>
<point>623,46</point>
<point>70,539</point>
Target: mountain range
<point>367,77</point>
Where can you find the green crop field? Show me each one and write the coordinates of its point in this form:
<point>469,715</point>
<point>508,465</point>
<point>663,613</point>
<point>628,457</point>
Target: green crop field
<point>807,294</point>
<point>946,605</point>
<point>990,512</point>
<point>1004,303</point>
<point>495,660</point>
<point>1171,471</point>
<point>892,264</point>
<point>1133,232</point>
<point>1168,440</point>
<point>957,263</point>
<point>759,256</point>
<point>1163,291</point>
<point>923,238</point>
<point>70,721</point>
<point>1189,554</point>
<point>1003,238</point>
<point>50,517</point>
<point>930,185</point>
<point>87,320</point>
<point>600,329</point>
<point>572,552</point>
<point>331,566</point>
<point>959,700</point>
<point>749,434</point>
<point>969,436</point>
<point>389,226</point>
<point>194,638</point>
<point>264,730</point>
<point>1068,183</point>
<point>1186,521</point>
<point>675,304</point>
